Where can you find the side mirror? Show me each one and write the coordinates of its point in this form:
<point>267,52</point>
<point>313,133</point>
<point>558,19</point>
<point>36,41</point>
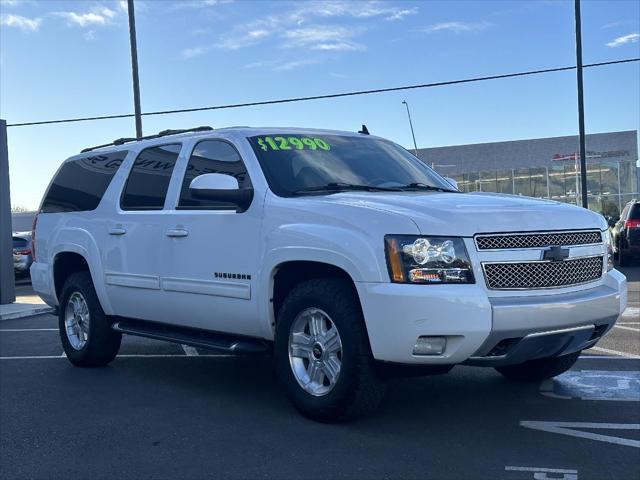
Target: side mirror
<point>221,187</point>
<point>612,221</point>
<point>452,182</point>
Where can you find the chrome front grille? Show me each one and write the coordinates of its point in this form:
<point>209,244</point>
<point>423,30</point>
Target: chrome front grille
<point>542,274</point>
<point>537,239</point>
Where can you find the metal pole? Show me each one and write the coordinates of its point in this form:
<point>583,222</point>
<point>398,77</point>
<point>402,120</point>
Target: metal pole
<point>7,281</point>
<point>134,68</point>
<point>583,149</point>
<point>415,146</point>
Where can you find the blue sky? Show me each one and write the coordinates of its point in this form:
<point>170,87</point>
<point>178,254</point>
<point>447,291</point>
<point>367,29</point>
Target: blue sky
<point>61,59</point>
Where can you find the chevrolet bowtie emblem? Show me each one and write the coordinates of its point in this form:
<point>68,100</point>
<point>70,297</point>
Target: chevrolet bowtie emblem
<point>555,254</point>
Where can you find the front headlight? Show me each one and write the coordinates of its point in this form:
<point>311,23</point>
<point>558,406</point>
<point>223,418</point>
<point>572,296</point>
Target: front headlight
<point>416,259</point>
<point>608,239</point>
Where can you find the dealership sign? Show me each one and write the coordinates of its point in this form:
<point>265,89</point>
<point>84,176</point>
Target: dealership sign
<point>590,154</point>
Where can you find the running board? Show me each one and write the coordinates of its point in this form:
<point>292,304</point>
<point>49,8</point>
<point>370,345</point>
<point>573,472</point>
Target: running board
<point>224,342</point>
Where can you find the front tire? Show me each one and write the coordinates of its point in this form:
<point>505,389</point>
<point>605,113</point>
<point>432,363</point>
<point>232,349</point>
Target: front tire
<point>538,370</point>
<point>322,353</point>
<point>87,337</point>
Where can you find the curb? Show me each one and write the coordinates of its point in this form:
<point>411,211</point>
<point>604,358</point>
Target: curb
<point>26,313</point>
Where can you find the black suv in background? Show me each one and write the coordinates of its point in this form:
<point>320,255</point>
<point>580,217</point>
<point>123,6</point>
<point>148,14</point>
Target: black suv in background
<point>626,234</point>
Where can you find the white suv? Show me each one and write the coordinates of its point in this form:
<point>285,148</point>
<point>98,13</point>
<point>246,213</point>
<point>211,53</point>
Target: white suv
<point>341,253</point>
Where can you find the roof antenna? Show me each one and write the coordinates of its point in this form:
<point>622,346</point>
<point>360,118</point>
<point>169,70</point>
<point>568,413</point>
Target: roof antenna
<point>365,130</point>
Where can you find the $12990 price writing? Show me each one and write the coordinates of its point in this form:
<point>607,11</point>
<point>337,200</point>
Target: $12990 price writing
<point>292,143</point>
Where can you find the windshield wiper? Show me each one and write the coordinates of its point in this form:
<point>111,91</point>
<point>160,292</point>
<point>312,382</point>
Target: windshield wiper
<point>424,186</point>
<point>336,187</point>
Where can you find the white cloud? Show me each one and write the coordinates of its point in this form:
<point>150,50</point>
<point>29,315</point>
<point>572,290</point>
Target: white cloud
<point>11,3</point>
<point>455,27</point>
<point>400,14</point>
<point>281,65</point>
<point>613,24</point>
<point>300,21</point>
<point>23,23</point>
<point>199,3</point>
<point>357,9</point>
<point>291,65</point>
<point>617,42</point>
<point>195,51</point>
<point>98,16</point>
<point>324,37</point>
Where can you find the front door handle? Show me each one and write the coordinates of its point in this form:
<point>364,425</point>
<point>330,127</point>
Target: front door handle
<point>177,232</point>
<point>117,231</point>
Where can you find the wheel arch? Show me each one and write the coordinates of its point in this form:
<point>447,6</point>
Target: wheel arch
<point>287,274</point>
<point>72,258</point>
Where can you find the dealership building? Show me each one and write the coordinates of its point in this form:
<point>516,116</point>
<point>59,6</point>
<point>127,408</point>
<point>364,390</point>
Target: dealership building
<point>546,168</point>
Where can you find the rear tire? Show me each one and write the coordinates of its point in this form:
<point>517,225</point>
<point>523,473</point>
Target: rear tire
<point>537,370</point>
<point>87,337</point>
<point>356,390</point>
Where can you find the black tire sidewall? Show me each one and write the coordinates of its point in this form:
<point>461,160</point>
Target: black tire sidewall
<point>102,343</point>
<point>328,406</point>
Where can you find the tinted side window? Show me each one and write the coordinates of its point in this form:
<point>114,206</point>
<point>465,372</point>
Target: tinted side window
<point>212,156</point>
<point>80,184</point>
<point>149,178</point>
<point>19,243</point>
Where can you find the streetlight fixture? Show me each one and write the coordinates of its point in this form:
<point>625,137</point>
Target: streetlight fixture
<point>415,147</point>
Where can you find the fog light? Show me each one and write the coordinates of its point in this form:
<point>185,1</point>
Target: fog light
<point>430,346</point>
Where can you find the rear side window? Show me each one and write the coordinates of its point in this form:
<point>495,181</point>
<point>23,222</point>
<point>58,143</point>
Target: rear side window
<point>149,179</point>
<point>212,156</point>
<point>19,243</point>
<point>634,214</point>
<point>81,183</point>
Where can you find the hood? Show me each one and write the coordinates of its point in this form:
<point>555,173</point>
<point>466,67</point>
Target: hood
<point>466,214</point>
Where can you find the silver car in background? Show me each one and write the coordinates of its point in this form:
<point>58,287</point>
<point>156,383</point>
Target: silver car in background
<point>22,254</point>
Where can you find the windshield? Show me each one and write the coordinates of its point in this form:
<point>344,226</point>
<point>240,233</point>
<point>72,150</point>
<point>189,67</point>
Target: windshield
<point>299,164</point>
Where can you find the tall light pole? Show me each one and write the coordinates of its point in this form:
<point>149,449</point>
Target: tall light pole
<point>583,148</point>
<point>415,147</point>
<point>7,284</point>
<point>134,68</point>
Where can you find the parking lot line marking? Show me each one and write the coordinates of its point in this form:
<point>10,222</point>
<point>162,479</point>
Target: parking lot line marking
<point>28,329</point>
<point>568,428</point>
<point>540,469</point>
<point>628,323</point>
<point>627,328</point>
<point>604,357</point>
<point>631,312</point>
<point>615,352</point>
<point>48,357</point>
<point>190,351</point>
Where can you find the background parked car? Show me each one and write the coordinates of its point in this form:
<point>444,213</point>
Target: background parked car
<point>22,254</point>
<point>626,234</point>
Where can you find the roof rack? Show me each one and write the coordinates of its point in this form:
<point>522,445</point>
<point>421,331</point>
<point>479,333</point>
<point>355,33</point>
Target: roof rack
<point>163,133</point>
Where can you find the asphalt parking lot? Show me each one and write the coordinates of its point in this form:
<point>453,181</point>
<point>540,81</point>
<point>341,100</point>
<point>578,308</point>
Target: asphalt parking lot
<point>167,412</point>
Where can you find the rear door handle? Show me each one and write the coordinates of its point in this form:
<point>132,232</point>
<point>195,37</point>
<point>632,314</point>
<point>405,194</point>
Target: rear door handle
<point>177,232</point>
<point>117,231</point>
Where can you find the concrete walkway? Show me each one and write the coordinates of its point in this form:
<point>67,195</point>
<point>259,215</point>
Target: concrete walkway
<point>24,306</point>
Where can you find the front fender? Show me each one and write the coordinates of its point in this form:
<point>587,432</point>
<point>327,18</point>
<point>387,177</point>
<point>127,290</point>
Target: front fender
<point>336,246</point>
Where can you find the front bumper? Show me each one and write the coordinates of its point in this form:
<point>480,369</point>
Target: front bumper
<point>483,330</point>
